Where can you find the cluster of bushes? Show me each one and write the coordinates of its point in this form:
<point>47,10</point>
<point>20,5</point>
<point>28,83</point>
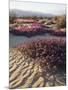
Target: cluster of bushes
<point>58,32</point>
<point>47,51</point>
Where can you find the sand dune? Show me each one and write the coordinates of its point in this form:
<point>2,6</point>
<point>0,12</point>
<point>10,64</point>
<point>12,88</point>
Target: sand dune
<point>25,73</point>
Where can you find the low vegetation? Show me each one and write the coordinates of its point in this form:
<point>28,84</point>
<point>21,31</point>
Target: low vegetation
<point>48,51</point>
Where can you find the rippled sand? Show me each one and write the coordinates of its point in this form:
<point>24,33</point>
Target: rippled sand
<point>26,73</point>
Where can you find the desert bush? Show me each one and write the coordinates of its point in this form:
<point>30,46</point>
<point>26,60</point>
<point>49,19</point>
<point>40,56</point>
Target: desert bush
<point>61,21</point>
<point>51,51</point>
<point>11,19</point>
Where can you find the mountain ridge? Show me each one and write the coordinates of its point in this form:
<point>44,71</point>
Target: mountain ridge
<point>20,13</point>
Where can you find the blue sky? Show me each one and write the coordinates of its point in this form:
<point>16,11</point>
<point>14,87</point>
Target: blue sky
<point>56,9</point>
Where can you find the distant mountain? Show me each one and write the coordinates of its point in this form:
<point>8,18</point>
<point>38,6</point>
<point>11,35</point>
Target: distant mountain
<point>20,13</point>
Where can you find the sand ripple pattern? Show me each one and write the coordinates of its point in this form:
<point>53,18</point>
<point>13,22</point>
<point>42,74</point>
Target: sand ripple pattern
<point>25,73</point>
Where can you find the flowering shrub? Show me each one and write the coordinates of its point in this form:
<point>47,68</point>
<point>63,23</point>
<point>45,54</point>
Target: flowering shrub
<point>52,51</point>
<point>36,27</point>
<point>58,32</point>
<point>31,27</point>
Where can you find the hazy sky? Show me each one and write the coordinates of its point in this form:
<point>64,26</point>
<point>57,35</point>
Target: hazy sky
<point>56,9</point>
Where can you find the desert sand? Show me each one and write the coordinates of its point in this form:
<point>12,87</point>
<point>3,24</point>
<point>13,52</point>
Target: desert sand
<point>27,73</point>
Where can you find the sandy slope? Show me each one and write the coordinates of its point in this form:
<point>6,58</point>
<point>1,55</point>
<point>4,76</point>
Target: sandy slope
<point>26,73</point>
